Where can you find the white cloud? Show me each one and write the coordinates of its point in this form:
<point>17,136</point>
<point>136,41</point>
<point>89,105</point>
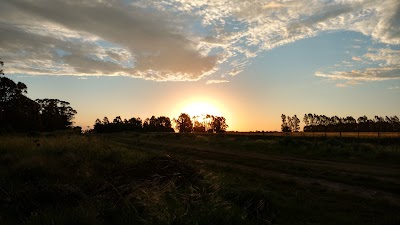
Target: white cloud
<point>389,56</point>
<point>216,81</point>
<point>181,39</point>
<point>383,64</point>
<point>367,74</point>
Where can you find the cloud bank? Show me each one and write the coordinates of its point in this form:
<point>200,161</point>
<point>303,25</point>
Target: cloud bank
<point>183,39</point>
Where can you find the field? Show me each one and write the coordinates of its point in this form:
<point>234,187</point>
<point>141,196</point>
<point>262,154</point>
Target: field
<point>324,134</point>
<point>132,178</point>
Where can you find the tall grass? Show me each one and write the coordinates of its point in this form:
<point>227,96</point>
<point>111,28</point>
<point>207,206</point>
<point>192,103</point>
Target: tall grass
<point>73,179</point>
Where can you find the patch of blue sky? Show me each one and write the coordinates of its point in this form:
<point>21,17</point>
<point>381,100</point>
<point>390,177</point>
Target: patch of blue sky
<point>196,27</point>
<point>107,44</point>
<point>61,52</point>
<point>232,24</point>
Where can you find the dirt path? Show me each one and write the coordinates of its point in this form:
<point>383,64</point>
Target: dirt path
<point>274,166</point>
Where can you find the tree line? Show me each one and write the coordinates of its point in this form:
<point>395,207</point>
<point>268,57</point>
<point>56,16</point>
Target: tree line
<point>18,113</point>
<point>322,123</point>
<point>290,124</point>
<point>183,124</point>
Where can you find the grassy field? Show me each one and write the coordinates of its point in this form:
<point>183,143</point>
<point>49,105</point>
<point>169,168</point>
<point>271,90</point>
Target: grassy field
<point>130,178</point>
<point>324,134</point>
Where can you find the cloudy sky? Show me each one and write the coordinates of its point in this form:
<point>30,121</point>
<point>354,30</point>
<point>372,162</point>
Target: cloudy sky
<point>250,60</point>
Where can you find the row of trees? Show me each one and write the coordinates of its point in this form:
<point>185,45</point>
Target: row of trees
<point>322,123</point>
<point>153,124</point>
<point>20,113</point>
<point>183,124</point>
<point>290,124</point>
<point>201,124</point>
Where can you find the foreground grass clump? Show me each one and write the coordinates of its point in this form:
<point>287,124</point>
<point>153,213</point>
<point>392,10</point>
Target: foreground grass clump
<point>82,180</point>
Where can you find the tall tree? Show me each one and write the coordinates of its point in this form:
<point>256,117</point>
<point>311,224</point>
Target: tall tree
<point>55,114</point>
<point>1,70</point>
<point>284,126</point>
<point>135,124</point>
<point>164,124</point>
<point>17,112</point>
<point>184,123</point>
<point>198,124</point>
<point>295,123</point>
<point>219,124</point>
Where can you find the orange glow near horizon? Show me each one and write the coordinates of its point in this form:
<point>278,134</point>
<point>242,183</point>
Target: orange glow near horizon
<point>200,108</point>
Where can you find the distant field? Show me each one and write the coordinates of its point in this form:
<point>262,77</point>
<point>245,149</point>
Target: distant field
<point>156,178</point>
<point>325,134</point>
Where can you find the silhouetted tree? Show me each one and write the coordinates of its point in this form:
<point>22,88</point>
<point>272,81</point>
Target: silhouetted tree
<point>98,126</point>
<point>199,127</point>
<point>295,124</point>
<point>17,112</point>
<point>184,123</point>
<point>306,120</point>
<point>135,124</point>
<point>20,113</point>
<point>284,127</point>
<point>153,124</point>
<point>55,114</point>
<point>117,120</point>
<point>1,70</point>
<point>320,123</point>
<point>219,124</point>
<point>105,120</point>
<point>164,124</point>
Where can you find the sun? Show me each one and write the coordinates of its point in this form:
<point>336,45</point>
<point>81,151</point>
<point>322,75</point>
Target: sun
<point>200,108</point>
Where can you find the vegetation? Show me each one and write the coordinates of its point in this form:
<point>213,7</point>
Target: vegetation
<point>298,180</point>
<point>184,124</point>
<point>322,123</point>
<point>159,124</point>
<point>20,113</point>
<point>69,179</point>
<point>290,124</point>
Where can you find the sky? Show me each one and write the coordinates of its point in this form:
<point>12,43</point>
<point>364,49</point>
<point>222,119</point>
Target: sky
<point>249,61</point>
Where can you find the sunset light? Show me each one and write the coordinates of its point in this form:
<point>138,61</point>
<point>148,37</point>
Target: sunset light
<point>200,108</point>
<point>200,112</point>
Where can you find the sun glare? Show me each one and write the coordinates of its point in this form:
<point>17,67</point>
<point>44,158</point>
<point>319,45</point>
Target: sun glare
<point>200,108</point>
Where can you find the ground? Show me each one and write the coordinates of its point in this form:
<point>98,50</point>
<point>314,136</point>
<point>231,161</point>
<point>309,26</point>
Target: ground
<point>133,178</point>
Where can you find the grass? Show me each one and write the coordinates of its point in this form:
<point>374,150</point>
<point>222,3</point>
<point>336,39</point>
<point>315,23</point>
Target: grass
<point>332,148</point>
<point>71,179</point>
<point>295,175</point>
<point>294,203</point>
<point>129,178</point>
